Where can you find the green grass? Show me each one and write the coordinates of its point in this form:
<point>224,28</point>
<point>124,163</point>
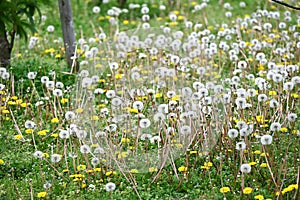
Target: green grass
<point>22,176</point>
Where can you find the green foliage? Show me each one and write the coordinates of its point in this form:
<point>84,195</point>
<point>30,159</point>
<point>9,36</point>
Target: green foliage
<point>18,16</point>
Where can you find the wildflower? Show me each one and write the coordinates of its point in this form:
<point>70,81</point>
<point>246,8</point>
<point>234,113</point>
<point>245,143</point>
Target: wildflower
<point>55,135</point>
<point>257,152</point>
<point>64,134</point>
<point>245,168</point>
<point>259,197</point>
<point>50,85</point>
<point>145,123</point>
<point>233,133</point>
<point>109,187</point>
<point>43,132</point>
<point>54,120</point>
<point>95,161</point>
<point>30,124</point>
<point>182,169</point>
<point>125,140</point>
<point>31,75</point>
<point>42,194</point>
<point>224,189</point>
<point>55,158</point>
<point>240,102</point>
<point>110,94</point>
<point>185,130</point>
<point>134,171</point>
<point>28,131</point>
<point>110,173</point>
<point>152,169</point>
<point>64,100</point>
<point>146,136</point>
<point>18,137</point>
<point>70,115</point>
<point>240,146</point>
<point>283,129</point>
<point>247,190</point>
<point>273,103</point>
<point>263,165</point>
<point>138,105</point>
<point>288,86</point>
<point>50,28</point>
<point>266,139</point>
<point>292,117</point>
<point>1,162</point>
<point>275,126</point>
<point>84,149</point>
<point>81,167</point>
<point>96,9</point>
<point>262,98</point>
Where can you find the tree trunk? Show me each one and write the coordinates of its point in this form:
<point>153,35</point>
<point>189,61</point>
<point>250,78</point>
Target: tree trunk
<point>5,47</point>
<point>66,19</point>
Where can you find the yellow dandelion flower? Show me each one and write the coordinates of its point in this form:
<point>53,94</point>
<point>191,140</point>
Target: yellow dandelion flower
<point>28,131</point>
<point>81,167</point>
<point>182,169</point>
<point>259,197</point>
<point>42,194</point>
<point>46,155</point>
<point>125,140</point>
<point>295,95</point>
<point>134,171</point>
<point>152,169</point>
<point>158,95</point>
<point>79,110</point>
<point>118,76</point>
<point>98,169</point>
<point>247,190</point>
<point>55,135</point>
<point>23,105</point>
<point>54,120</point>
<point>43,132</point>
<point>252,163</point>
<point>283,129</point>
<point>224,189</point>
<point>1,162</point>
<point>18,137</point>
<point>110,173</point>
<point>125,22</point>
<point>64,100</point>
<point>193,152</point>
<point>176,12</point>
<point>295,132</point>
<point>101,18</point>
<point>173,23</point>
<point>95,118</point>
<point>257,152</point>
<point>263,165</point>
<point>5,111</point>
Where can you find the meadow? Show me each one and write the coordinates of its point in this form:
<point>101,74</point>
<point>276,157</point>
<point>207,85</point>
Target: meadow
<point>173,100</point>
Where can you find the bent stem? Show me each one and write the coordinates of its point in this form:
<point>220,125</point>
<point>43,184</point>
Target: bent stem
<point>268,164</point>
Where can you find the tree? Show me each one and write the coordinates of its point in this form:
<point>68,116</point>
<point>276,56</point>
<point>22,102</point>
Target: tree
<point>66,18</point>
<point>16,17</point>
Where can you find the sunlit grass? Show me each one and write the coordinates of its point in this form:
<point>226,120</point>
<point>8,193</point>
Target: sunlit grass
<point>196,102</point>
